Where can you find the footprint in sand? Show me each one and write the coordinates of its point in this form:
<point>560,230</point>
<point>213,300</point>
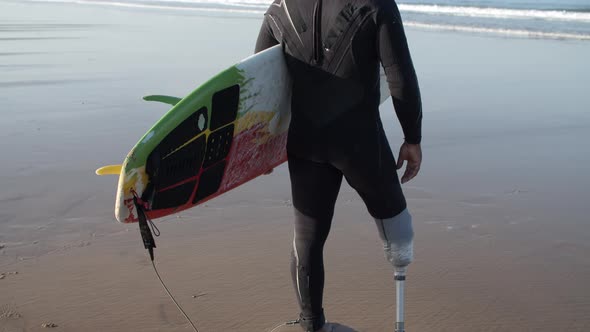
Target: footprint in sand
<point>10,319</point>
<point>49,325</point>
<point>4,274</point>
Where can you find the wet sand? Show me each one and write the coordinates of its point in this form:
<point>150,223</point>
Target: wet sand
<point>500,207</point>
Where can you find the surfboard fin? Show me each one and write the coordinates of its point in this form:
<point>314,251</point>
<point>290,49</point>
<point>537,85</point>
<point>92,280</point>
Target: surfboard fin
<point>163,99</point>
<point>109,170</point>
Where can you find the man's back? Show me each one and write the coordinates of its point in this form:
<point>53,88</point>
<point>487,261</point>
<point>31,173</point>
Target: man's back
<point>333,50</point>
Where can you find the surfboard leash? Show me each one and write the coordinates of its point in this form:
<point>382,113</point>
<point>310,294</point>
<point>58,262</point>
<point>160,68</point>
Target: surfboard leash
<point>146,226</point>
<point>173,300</point>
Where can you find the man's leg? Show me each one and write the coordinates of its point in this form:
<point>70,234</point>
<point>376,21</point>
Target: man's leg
<point>397,236</point>
<point>314,188</point>
<point>372,172</point>
<point>398,240</point>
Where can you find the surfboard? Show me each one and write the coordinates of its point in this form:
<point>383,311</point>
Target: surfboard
<point>228,131</point>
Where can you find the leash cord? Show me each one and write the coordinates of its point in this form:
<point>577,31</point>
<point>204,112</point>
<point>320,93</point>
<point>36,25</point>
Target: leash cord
<point>145,223</point>
<point>173,300</point>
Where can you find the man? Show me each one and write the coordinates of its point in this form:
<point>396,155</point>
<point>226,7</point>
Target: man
<point>333,49</point>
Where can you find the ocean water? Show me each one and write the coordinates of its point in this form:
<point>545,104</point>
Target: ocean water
<point>555,19</point>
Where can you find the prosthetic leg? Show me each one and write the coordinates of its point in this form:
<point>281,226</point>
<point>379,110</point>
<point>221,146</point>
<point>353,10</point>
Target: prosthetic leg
<point>397,236</point>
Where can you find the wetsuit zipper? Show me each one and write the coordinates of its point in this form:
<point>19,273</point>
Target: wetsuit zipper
<point>317,33</point>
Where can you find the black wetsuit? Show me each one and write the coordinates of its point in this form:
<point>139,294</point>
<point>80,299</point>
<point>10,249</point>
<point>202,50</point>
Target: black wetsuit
<point>333,50</point>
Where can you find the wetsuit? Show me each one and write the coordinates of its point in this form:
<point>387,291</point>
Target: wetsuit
<point>333,49</point>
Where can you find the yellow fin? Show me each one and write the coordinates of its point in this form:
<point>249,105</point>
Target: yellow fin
<point>109,170</point>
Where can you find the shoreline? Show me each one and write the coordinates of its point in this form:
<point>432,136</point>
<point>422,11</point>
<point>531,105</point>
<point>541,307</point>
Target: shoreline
<point>246,12</point>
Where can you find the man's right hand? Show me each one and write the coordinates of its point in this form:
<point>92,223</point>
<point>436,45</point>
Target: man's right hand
<point>412,153</point>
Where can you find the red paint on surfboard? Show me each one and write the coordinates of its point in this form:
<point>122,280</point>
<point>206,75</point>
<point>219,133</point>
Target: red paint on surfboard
<point>253,152</point>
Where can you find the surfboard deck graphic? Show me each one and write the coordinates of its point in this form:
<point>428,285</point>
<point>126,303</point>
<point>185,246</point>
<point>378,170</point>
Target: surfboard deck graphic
<point>228,131</point>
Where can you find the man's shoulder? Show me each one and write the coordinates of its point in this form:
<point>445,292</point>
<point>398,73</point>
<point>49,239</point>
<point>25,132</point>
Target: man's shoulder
<point>278,3</point>
<point>375,5</point>
<point>275,4</point>
<point>383,8</point>
<point>381,4</point>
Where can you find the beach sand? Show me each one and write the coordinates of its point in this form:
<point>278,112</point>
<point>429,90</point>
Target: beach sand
<point>500,207</point>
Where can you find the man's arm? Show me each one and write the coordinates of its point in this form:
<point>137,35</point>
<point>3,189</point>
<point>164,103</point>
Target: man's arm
<point>399,69</point>
<point>403,85</point>
<point>266,38</point>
